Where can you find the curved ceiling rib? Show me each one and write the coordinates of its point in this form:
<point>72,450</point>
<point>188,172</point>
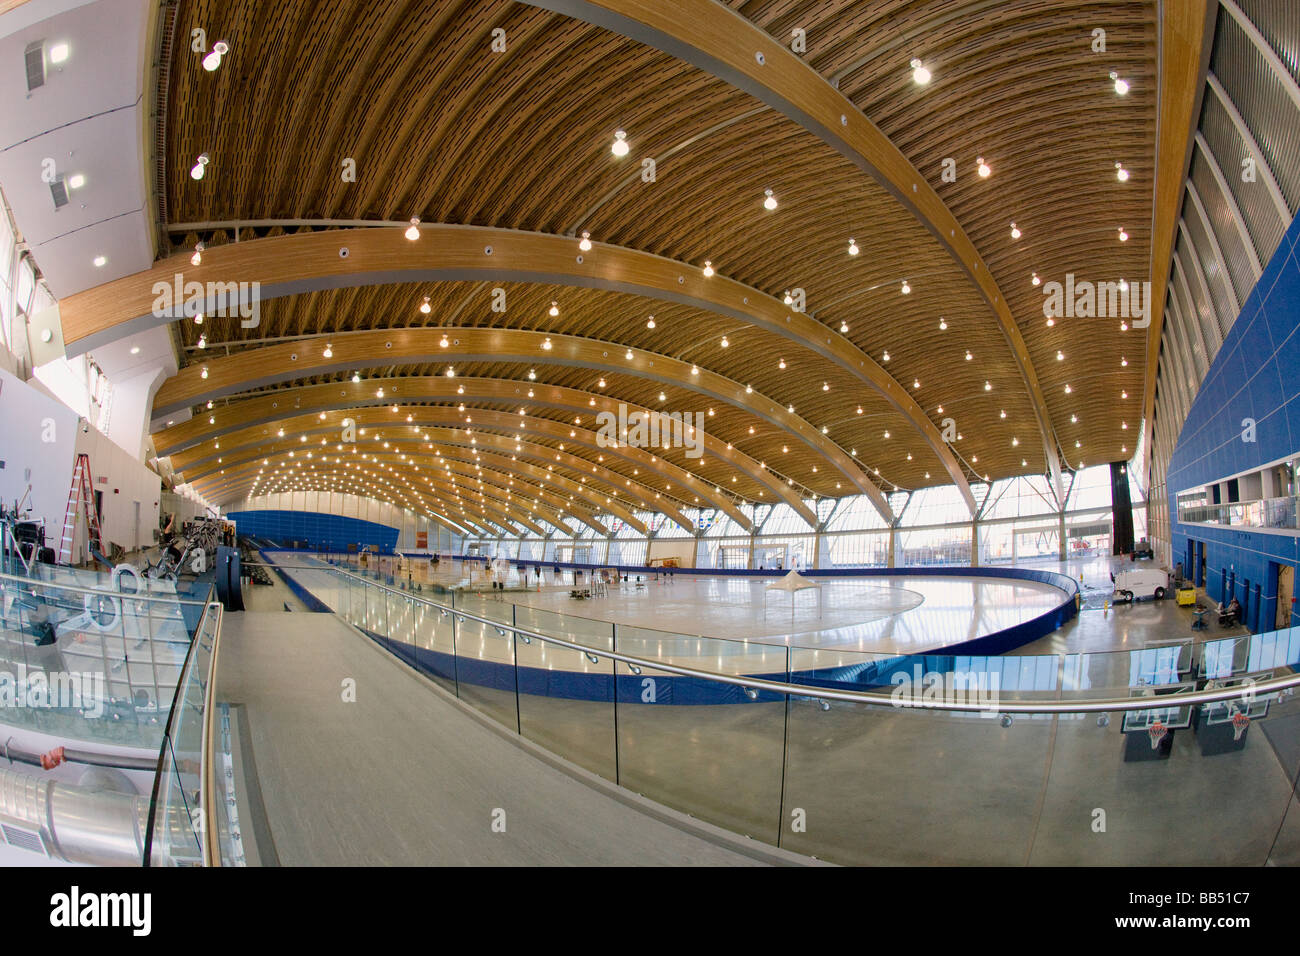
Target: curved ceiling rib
<point>288,265</point>
<point>229,375</point>
<point>719,41</point>
<point>314,426</point>
<point>498,449</point>
<point>472,458</point>
<point>173,440</point>
<point>501,495</point>
<point>442,415</point>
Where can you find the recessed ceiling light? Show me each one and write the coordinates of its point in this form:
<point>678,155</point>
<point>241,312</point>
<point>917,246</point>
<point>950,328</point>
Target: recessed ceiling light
<point>213,59</point>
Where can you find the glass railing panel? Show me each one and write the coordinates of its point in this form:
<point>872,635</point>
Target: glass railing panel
<point>1194,785</point>
<point>177,826</point>
<point>434,650</point>
<point>177,836</point>
<point>710,749</point>
<point>980,677</point>
<point>485,669</point>
<point>894,785</point>
<point>566,697</point>
<point>91,664</point>
<point>1143,670</point>
<point>401,626</point>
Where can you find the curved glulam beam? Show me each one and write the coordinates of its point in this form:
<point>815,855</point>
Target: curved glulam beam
<point>448,417</point>
<point>499,499</point>
<point>272,364</point>
<point>306,262</point>
<point>300,400</point>
<point>719,41</point>
<point>430,485</point>
<point>505,452</point>
<point>202,465</point>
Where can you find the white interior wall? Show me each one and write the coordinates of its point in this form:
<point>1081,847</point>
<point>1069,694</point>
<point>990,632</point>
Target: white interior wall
<point>683,549</point>
<point>39,444</point>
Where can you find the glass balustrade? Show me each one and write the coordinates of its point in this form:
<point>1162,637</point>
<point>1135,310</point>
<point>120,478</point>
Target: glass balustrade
<point>1276,513</point>
<point>91,657</point>
<point>898,777</point>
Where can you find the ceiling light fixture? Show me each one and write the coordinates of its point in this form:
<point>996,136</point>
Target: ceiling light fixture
<point>1035,280</point>
<point>198,254</point>
<point>329,351</point>
<point>708,268</point>
<point>1121,173</point>
<point>1121,86</point>
<point>920,75</point>
<point>99,261</point>
<point>213,59</point>
<point>907,289</point>
<point>619,147</point>
<point>1015,231</point>
<point>770,202</point>
<point>555,309</point>
<point>943,326</point>
<point>844,327</point>
<point>650,322</point>
<point>853,247</point>
<point>585,242</point>
<point>983,168</point>
<point>413,230</point>
<point>200,166</point>
<point>546,344</point>
<point>1123,236</point>
<point>58,52</point>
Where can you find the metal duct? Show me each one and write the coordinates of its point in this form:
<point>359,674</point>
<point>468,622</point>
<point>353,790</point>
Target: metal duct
<point>95,826</point>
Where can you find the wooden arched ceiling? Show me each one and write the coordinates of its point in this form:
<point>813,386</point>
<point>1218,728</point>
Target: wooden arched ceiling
<point>442,127</point>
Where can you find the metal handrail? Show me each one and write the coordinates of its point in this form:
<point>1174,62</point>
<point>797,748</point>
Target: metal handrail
<point>211,847</point>
<point>79,589</point>
<point>815,692</point>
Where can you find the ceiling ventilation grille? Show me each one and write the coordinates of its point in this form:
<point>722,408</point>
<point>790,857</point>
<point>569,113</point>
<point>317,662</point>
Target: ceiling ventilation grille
<point>35,57</point>
<point>23,839</point>
<point>60,193</point>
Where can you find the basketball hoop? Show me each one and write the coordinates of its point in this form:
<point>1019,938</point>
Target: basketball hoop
<point>1157,733</point>
<point>1240,721</point>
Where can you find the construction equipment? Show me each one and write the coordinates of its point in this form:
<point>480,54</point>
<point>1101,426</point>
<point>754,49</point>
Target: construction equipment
<point>81,500</point>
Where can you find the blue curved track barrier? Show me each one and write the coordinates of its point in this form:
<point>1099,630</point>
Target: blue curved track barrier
<point>980,655</point>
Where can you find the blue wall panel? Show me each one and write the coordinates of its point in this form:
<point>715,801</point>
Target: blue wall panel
<point>1256,375</point>
<point>316,530</point>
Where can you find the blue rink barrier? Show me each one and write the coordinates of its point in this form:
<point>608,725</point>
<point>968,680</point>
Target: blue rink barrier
<point>977,656</point>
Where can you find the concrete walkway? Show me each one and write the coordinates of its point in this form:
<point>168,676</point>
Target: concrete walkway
<point>402,777</point>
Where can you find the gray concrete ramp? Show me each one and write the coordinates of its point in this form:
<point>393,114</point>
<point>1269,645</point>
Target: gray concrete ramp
<point>402,776</point>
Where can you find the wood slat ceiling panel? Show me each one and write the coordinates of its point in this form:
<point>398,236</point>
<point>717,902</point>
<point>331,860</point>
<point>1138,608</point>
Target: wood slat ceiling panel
<point>442,127</point>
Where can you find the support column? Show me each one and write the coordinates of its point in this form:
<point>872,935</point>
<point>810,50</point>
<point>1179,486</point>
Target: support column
<point>893,556</point>
<point>1060,535</point>
<point>974,544</point>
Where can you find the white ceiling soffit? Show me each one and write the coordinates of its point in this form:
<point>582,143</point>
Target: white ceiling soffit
<point>87,118</point>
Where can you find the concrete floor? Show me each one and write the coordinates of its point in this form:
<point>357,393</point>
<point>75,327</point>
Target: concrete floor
<point>401,776</point>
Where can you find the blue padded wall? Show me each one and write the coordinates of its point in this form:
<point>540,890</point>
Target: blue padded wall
<point>1256,375</point>
<point>315,530</point>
